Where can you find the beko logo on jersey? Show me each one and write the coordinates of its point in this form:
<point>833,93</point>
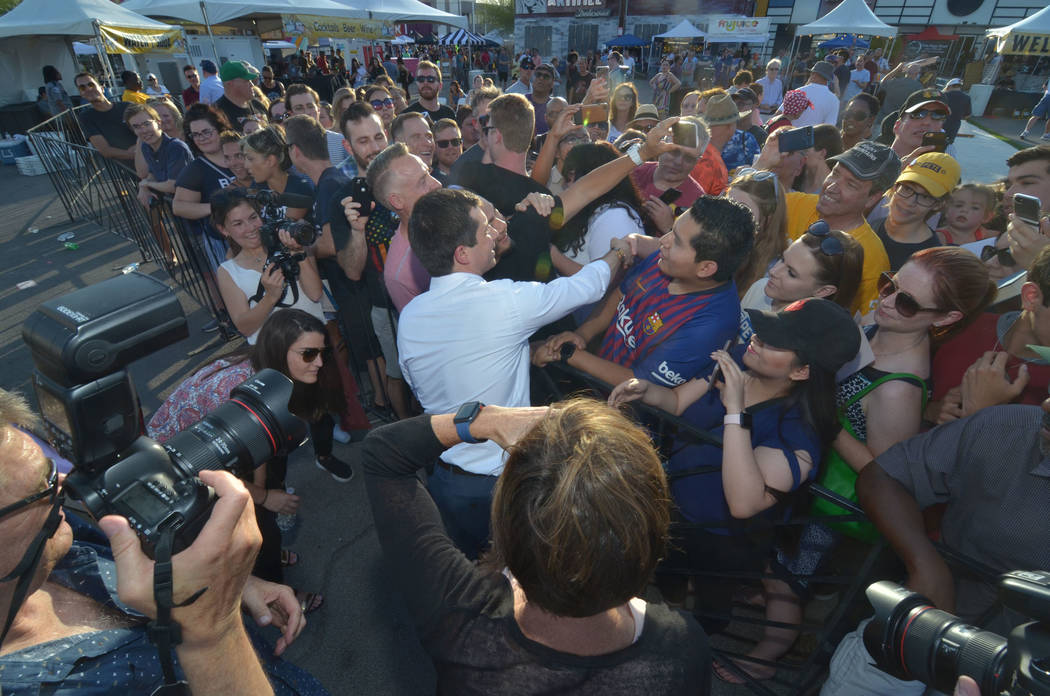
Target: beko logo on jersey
<point>624,324</point>
<point>669,374</point>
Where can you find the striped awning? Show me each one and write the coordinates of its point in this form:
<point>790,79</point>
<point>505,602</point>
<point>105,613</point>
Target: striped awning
<point>461,37</point>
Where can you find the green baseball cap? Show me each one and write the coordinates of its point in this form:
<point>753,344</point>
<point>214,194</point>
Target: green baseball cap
<point>235,69</point>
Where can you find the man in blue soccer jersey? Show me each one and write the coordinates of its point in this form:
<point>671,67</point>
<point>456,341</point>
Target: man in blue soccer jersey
<point>673,309</point>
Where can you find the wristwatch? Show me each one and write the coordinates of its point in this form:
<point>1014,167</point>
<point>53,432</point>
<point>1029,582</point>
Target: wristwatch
<point>743,419</point>
<point>635,153</point>
<point>466,415</point>
<point>568,349</point>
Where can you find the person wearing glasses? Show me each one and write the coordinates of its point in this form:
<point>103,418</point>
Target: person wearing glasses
<point>449,144</point>
<point>772,87</point>
<point>924,111</point>
<point>192,94</point>
<point>991,362</point>
<point>479,106</point>
<point>162,157</point>
<point>294,343</point>
<point>70,617</point>
<point>103,123</point>
<point>921,190</point>
<point>428,82</point>
<point>380,99</point>
<point>543,78</point>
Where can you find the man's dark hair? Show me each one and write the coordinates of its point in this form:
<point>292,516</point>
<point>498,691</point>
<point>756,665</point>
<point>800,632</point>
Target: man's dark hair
<point>129,76</point>
<point>727,234</point>
<point>85,74</point>
<point>354,112</point>
<point>50,73</point>
<point>441,223</point>
<point>463,114</point>
<point>1031,154</point>
<point>870,100</point>
<point>297,89</point>
<point>307,134</point>
<point>827,137</point>
<point>572,57</point>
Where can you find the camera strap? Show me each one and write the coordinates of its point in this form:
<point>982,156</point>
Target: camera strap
<point>26,568</point>
<point>164,632</point>
<point>260,291</point>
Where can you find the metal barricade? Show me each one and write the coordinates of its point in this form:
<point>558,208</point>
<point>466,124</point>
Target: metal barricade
<point>103,190</point>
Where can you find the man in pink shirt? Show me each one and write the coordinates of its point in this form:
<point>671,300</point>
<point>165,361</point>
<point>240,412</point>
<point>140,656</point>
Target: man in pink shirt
<point>398,179</point>
<point>659,181</point>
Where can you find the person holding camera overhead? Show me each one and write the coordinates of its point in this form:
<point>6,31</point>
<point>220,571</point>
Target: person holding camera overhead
<point>253,283</point>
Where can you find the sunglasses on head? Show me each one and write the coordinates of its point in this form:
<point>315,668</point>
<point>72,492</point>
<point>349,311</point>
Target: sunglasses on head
<point>829,246</point>
<point>761,175</point>
<point>934,114</point>
<point>1003,255</point>
<point>382,103</point>
<point>906,305</point>
<point>310,354</point>
<point>451,142</point>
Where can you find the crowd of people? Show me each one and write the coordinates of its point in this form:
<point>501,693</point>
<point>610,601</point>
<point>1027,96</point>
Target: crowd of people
<point>799,271</point>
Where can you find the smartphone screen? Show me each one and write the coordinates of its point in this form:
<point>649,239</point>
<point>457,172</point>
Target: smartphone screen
<point>1027,208</point>
<point>361,194</point>
<point>685,133</point>
<point>796,139</point>
<point>670,195</point>
<point>716,374</point>
<point>602,71</point>
<point>939,141</point>
<point>591,113</point>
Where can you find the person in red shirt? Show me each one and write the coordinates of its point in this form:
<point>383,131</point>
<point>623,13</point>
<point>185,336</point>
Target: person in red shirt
<point>655,180</point>
<point>192,94</point>
<point>990,362</point>
<point>710,171</point>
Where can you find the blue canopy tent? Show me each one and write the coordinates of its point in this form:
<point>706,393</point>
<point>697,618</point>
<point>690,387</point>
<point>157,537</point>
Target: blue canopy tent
<point>626,41</point>
<point>844,41</point>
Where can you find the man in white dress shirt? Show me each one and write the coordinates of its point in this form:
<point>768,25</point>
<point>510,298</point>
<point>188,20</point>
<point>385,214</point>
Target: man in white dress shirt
<point>467,339</point>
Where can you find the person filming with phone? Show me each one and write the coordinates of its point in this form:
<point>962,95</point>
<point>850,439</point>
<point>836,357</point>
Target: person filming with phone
<point>1029,174</point>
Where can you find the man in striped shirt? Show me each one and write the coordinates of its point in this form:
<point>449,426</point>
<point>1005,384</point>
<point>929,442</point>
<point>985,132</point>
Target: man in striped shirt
<point>674,308</point>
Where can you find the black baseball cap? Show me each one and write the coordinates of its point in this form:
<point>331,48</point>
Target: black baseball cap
<point>869,160</point>
<point>924,97</point>
<point>819,331</point>
<point>526,64</point>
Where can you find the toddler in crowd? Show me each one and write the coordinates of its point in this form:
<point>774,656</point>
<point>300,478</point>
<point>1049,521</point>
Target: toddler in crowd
<point>968,209</point>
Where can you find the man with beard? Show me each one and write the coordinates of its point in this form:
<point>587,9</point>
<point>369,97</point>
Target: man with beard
<point>857,181</point>
<point>992,471</point>
<point>428,82</point>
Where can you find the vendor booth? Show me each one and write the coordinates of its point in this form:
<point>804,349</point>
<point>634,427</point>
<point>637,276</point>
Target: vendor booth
<point>1014,84</point>
<point>850,17</point>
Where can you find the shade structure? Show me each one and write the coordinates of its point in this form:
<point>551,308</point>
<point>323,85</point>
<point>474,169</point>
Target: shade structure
<point>844,41</point>
<point>851,16</point>
<point>1029,37</point>
<point>210,12</point>
<point>403,39</point>
<point>278,45</point>
<point>683,30</point>
<point>461,37</point>
<point>626,41</point>
<point>72,18</point>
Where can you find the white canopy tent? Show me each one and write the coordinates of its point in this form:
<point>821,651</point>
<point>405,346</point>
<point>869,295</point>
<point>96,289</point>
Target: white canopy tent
<point>683,30</point>
<point>1024,37</point>
<point>29,27</point>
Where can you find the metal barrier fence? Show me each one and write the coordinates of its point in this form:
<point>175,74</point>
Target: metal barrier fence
<point>806,670</point>
<point>103,190</point>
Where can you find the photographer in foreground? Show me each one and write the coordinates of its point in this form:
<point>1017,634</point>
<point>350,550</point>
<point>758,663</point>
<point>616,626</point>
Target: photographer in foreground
<point>70,634</point>
<point>992,470</point>
<point>252,284</point>
<point>579,519</point>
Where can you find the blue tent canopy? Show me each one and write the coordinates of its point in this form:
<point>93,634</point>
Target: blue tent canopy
<point>844,41</point>
<point>626,41</point>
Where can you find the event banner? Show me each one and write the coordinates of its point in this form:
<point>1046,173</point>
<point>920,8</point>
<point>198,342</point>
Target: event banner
<point>314,27</point>
<point>124,40</point>
<point>738,29</point>
<point>1025,44</point>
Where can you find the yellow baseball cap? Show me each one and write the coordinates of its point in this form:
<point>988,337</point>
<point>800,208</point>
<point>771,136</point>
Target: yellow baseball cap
<point>936,172</point>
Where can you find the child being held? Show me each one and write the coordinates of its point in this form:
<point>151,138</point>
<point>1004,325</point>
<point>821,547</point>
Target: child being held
<point>970,207</point>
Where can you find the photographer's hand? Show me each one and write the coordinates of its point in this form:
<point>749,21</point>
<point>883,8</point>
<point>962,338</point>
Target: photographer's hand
<point>288,241</point>
<point>273,281</point>
<point>215,652</point>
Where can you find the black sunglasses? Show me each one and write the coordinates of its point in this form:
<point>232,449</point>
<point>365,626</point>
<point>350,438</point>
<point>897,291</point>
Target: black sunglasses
<point>51,490</point>
<point>829,246</point>
<point>429,79</point>
<point>451,142</point>
<point>1003,255</point>
<point>310,354</point>
<point>907,306</point>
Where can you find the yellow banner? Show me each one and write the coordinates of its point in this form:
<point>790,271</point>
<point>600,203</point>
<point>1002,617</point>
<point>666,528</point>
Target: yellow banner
<point>1025,44</point>
<point>314,27</point>
<point>122,40</point>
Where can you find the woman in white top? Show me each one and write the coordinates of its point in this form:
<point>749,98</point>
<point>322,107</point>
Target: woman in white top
<point>623,103</point>
<point>251,287</point>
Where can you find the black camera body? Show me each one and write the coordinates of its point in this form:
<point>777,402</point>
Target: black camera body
<point>272,206</point>
<point>80,344</point>
<point>911,640</point>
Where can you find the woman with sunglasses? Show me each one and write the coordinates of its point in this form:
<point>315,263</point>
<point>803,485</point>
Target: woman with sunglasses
<point>760,191</point>
<point>267,160</point>
<point>203,178</point>
<point>623,103</point>
<point>383,103</point>
<point>293,343</point>
<point>921,190</point>
<point>773,407</point>
<point>858,119</point>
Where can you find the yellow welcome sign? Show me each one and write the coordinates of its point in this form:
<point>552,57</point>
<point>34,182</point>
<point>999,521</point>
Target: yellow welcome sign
<point>314,27</point>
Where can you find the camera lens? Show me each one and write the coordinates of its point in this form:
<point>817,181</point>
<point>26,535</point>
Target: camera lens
<point>252,427</point>
<point>303,233</point>
<point>911,639</point>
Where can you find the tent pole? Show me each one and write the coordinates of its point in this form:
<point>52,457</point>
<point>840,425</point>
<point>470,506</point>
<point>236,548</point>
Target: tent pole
<point>103,56</point>
<point>789,68</point>
<point>207,24</point>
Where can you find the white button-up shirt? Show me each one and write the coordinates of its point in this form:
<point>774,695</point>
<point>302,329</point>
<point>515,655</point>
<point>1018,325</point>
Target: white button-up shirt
<point>211,89</point>
<point>466,339</point>
<point>825,106</point>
